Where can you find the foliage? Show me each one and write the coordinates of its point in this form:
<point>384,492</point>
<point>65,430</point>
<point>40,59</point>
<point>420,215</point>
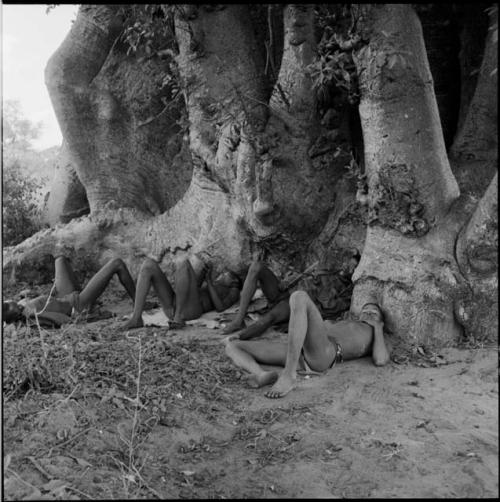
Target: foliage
<point>149,33</point>
<point>21,215</point>
<point>149,29</point>
<point>18,131</point>
<point>334,71</point>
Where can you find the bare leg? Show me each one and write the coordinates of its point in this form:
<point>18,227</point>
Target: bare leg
<point>247,355</point>
<point>188,304</point>
<point>151,273</point>
<point>279,313</point>
<point>98,283</point>
<point>306,329</point>
<point>257,273</point>
<point>65,279</point>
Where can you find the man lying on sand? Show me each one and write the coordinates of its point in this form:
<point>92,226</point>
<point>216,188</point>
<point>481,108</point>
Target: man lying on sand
<point>190,299</point>
<point>68,300</point>
<point>314,345</point>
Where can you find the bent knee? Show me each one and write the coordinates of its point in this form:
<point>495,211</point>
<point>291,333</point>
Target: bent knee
<point>298,298</point>
<point>117,263</point>
<point>256,267</point>
<point>148,265</point>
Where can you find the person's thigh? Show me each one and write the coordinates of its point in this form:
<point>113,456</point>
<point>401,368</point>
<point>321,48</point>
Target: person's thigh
<point>264,351</point>
<point>97,284</point>
<point>187,292</point>
<point>281,311</point>
<point>318,349</point>
<point>269,283</point>
<point>64,279</point>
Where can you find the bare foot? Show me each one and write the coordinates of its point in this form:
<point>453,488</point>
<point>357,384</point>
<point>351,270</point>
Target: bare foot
<point>266,378</point>
<point>134,323</point>
<point>233,326</point>
<point>282,387</point>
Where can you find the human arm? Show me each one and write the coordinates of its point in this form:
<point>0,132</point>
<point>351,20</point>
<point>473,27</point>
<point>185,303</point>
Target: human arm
<point>380,352</point>
<point>220,302</point>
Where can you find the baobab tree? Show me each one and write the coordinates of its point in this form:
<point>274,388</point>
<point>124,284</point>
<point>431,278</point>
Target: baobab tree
<point>300,133</point>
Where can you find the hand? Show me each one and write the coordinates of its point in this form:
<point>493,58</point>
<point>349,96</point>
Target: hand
<point>375,324</point>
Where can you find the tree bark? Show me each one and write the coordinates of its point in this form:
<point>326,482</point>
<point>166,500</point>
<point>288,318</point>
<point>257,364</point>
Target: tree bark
<point>477,255</point>
<point>67,198</point>
<point>407,264</point>
<point>121,135</point>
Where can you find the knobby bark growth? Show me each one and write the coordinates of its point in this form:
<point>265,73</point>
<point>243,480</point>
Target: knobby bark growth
<point>253,158</point>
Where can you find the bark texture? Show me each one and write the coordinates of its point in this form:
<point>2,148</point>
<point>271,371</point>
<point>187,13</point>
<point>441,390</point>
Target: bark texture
<point>252,163</point>
<point>124,143</point>
<point>407,264</point>
<point>67,198</point>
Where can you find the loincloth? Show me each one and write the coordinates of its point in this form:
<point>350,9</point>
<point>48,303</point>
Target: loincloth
<point>304,367</point>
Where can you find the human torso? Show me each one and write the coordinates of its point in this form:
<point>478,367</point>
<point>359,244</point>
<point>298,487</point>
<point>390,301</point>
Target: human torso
<point>62,305</point>
<point>356,337</point>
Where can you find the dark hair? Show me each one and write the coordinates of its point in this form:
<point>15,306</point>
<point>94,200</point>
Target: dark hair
<point>375,305</point>
<point>8,314</point>
<point>235,279</point>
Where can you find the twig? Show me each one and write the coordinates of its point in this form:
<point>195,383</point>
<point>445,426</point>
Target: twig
<point>152,490</point>
<point>78,491</point>
<point>136,413</point>
<point>42,341</point>
<point>40,468</point>
<point>69,440</point>
<point>21,479</point>
<point>307,271</point>
<point>167,106</point>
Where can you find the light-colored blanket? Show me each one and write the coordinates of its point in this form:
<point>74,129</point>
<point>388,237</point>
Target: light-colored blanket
<point>212,319</point>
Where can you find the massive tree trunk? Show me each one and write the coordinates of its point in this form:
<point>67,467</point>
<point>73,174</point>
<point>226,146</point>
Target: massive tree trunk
<point>109,106</point>
<point>266,169</point>
<point>408,264</point>
<point>67,198</point>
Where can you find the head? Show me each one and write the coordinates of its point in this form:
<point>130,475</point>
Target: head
<point>11,312</point>
<point>229,279</point>
<point>371,311</point>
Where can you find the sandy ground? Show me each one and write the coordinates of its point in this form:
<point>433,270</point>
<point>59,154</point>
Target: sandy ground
<point>426,425</point>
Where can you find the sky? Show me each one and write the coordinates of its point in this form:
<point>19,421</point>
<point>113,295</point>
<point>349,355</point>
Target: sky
<point>29,38</point>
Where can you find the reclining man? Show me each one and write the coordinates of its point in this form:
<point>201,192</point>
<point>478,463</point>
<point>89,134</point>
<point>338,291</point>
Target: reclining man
<point>314,345</point>
<point>277,294</point>
<point>190,298</point>
<point>68,299</point>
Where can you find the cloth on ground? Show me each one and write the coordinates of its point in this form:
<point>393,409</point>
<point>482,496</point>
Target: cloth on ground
<point>212,319</point>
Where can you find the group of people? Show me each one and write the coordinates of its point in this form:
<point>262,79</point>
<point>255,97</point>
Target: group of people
<point>314,345</point>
